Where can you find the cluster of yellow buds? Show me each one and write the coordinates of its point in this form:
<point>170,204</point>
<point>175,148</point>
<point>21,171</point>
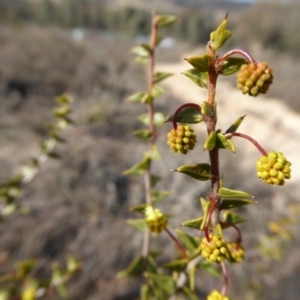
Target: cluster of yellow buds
<point>216,250</point>
<point>236,252</point>
<point>274,168</point>
<point>254,78</point>
<point>182,139</point>
<point>155,219</point>
<point>215,295</point>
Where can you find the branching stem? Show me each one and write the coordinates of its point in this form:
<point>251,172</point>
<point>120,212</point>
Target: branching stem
<point>180,108</point>
<point>247,137</point>
<point>177,242</point>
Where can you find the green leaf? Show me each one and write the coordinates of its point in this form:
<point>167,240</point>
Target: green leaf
<point>139,168</point>
<point>192,275</point>
<point>154,180</point>
<point>159,195</point>
<point>138,208</point>
<point>157,91</point>
<point>195,223</point>
<point>203,203</point>
<point>141,60</point>
<point>159,76</point>
<point>233,218</point>
<point>210,142</point>
<point>190,295</point>
<point>233,203</point>
<point>206,110</point>
<point>159,119</point>
<point>223,142</point>
<point>142,50</point>
<point>164,282</point>
<point>154,153</point>
<point>143,134</point>
<point>188,115</point>
<point>140,224</point>
<point>188,241</point>
<point>165,20</point>
<point>54,155</point>
<point>64,99</point>
<point>133,269</point>
<point>219,37</point>
<point>210,268</point>
<point>140,97</point>
<point>200,172</point>
<point>235,125</point>
<point>200,78</point>
<point>226,193</point>
<point>159,38</point>
<point>200,63</point>
<point>176,265</point>
<point>145,292</point>
<point>232,65</point>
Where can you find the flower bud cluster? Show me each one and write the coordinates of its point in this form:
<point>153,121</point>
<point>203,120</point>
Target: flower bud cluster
<point>155,219</point>
<point>254,78</point>
<point>274,168</point>
<point>215,250</point>
<point>182,139</point>
<point>236,252</point>
<point>215,295</point>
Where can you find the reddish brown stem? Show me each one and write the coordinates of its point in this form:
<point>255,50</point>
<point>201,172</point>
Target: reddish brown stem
<point>210,212</point>
<point>247,137</point>
<point>236,51</point>
<point>236,228</point>
<point>180,108</point>
<point>178,244</point>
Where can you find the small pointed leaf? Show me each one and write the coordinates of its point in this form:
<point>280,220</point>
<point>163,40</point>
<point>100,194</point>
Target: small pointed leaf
<point>188,292</point>
<point>188,241</point>
<point>219,37</point>
<point>226,193</point>
<point>157,91</point>
<point>139,168</point>
<point>159,76</point>
<point>141,60</point>
<point>159,119</point>
<point>176,265</point>
<point>159,195</point>
<point>141,50</point>
<point>154,180</point>
<point>140,97</point>
<point>138,208</point>
<point>223,142</point>
<point>233,218</point>
<point>143,134</point>
<point>203,203</point>
<point>200,78</point>
<point>165,20</point>
<point>164,282</point>
<point>140,224</point>
<point>133,269</point>
<point>195,223</point>
<point>232,65</point>
<point>200,172</point>
<point>206,110</point>
<point>210,142</point>
<point>188,115</point>
<point>210,268</point>
<point>200,63</point>
<point>154,153</point>
<point>233,203</point>
<point>235,125</point>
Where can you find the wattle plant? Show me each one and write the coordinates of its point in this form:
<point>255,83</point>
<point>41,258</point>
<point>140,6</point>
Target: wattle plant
<point>176,279</point>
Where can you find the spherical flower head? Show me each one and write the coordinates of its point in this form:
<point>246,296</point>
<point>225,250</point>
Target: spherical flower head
<point>182,140</point>
<point>216,295</point>
<point>274,168</point>
<point>254,78</point>
<point>155,219</point>
<point>236,252</point>
<point>215,250</point>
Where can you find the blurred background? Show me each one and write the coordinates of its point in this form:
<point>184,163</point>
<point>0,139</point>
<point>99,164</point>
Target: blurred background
<point>79,204</point>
